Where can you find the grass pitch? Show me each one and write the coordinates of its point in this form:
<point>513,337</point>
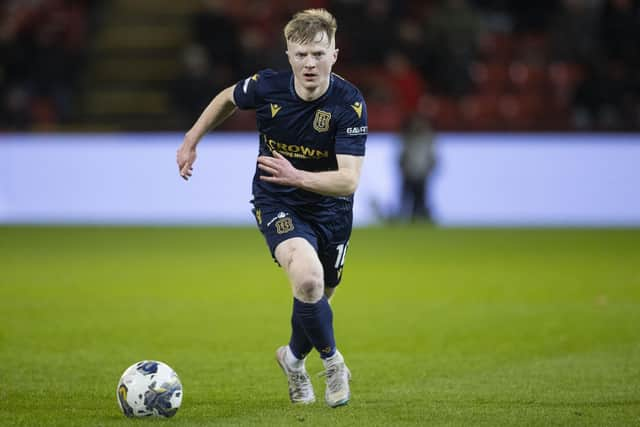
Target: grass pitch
<point>439,327</point>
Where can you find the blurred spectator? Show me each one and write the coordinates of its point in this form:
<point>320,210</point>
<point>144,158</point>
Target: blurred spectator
<point>218,34</point>
<point>532,16</point>
<point>192,91</point>
<point>410,35</point>
<point>404,82</point>
<point>606,99</point>
<point>42,46</point>
<point>620,31</point>
<point>261,40</point>
<point>371,36</point>
<point>417,162</point>
<point>410,40</point>
<point>573,32</point>
<point>453,33</point>
<point>349,13</point>
<point>14,112</point>
<point>495,14</point>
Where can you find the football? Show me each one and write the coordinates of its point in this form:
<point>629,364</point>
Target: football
<point>149,388</point>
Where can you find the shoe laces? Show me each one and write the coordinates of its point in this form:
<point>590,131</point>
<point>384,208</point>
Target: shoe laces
<point>299,383</point>
<point>336,376</point>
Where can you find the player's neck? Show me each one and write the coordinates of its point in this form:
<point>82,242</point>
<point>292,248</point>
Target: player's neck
<point>310,95</point>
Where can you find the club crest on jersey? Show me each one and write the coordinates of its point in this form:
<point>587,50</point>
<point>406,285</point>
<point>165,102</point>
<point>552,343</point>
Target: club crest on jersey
<point>284,225</point>
<point>321,121</point>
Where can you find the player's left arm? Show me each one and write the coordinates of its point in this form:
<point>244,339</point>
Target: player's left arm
<point>340,182</point>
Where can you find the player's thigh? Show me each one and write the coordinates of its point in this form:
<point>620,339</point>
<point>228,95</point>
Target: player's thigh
<point>297,256</point>
<point>302,265</point>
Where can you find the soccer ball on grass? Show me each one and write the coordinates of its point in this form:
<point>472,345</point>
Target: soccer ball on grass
<point>149,388</point>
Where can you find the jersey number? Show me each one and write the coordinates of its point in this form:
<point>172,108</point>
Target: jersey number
<point>342,252</point>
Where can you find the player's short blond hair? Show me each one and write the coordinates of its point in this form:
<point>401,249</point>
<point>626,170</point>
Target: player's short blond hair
<point>305,25</point>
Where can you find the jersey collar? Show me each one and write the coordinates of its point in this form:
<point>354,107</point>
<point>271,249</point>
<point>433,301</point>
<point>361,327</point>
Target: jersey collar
<point>322,97</point>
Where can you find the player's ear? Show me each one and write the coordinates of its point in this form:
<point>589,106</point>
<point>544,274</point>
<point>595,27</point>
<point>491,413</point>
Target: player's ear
<point>335,55</point>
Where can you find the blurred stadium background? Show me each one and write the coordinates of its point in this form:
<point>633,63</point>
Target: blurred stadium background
<point>471,65</point>
<point>467,65</point>
<point>534,107</point>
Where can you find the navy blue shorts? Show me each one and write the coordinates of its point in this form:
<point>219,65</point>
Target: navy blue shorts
<point>330,238</point>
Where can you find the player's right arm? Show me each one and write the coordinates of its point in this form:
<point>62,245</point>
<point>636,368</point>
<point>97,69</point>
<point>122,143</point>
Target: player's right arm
<point>218,110</point>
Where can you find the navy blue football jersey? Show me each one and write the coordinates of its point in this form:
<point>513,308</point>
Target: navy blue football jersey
<point>308,133</point>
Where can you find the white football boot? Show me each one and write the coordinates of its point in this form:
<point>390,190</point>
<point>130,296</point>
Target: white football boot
<point>300,387</point>
<point>337,375</point>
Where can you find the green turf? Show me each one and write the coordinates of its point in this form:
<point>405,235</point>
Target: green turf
<point>439,327</point>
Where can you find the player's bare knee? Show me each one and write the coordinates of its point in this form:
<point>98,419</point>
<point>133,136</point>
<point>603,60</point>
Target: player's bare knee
<point>309,290</point>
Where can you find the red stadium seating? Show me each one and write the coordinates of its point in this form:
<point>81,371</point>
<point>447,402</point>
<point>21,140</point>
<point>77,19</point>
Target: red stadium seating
<point>490,77</point>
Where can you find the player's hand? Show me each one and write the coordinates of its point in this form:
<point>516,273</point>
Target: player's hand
<point>185,157</point>
<point>280,170</point>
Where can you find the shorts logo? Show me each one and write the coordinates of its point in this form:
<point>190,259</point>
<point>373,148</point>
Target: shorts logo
<point>321,121</point>
<point>284,225</point>
<point>279,216</point>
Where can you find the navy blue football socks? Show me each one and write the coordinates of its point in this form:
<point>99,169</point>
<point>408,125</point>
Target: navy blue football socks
<point>300,344</point>
<point>316,320</point>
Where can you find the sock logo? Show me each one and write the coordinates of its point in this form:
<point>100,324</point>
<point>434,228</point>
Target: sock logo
<point>326,349</point>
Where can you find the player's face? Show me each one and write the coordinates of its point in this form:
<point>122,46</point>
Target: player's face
<point>312,62</point>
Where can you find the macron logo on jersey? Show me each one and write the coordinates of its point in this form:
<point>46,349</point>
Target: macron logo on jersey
<point>274,110</point>
<point>357,107</point>
<point>245,86</point>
